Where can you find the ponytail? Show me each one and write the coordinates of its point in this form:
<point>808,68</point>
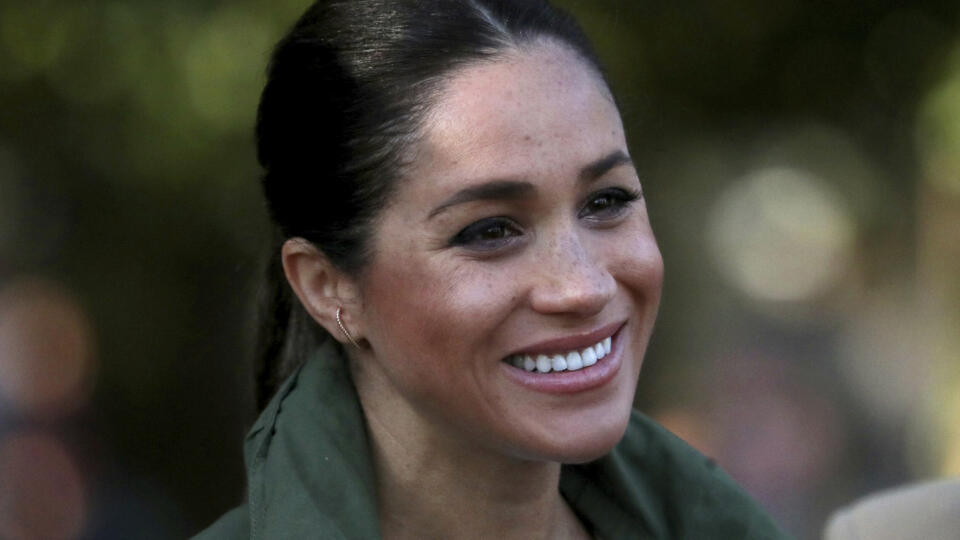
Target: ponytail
<point>347,95</point>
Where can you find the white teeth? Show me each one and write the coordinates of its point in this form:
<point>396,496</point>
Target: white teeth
<point>571,361</point>
<point>528,363</point>
<point>574,361</point>
<point>589,357</point>
<point>559,363</point>
<point>543,364</point>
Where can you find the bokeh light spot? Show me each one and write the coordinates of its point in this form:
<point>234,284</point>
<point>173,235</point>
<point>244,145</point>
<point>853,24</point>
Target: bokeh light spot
<point>222,68</point>
<point>46,348</point>
<point>32,38</point>
<point>938,131</point>
<point>42,492</point>
<point>781,234</point>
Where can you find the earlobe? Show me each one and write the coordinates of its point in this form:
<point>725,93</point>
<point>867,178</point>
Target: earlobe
<point>326,292</point>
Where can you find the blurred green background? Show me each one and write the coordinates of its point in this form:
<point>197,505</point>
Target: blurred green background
<point>801,163</point>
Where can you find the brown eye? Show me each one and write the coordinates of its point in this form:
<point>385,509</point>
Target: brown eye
<point>487,234</point>
<point>607,204</point>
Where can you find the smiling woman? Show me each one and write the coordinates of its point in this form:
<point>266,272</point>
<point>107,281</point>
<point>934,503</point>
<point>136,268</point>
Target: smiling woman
<point>466,282</point>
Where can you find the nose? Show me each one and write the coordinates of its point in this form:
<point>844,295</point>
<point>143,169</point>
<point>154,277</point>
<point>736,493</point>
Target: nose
<point>571,279</point>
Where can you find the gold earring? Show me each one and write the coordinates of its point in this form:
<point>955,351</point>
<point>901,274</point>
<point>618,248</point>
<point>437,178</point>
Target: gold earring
<point>344,328</point>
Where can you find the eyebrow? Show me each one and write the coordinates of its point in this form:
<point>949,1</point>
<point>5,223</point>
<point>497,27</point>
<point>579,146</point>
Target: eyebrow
<point>494,190</point>
<point>505,189</point>
<point>603,165</point>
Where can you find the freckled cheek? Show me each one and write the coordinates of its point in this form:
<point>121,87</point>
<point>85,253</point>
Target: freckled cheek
<point>436,320</point>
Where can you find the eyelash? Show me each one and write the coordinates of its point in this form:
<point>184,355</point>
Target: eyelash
<point>619,200</point>
<point>499,232</point>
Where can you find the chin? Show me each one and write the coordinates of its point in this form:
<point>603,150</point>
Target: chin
<point>584,440</point>
<point>596,446</point>
<point>590,433</point>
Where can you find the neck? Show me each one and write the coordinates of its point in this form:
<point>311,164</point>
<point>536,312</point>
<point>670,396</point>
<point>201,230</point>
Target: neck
<point>432,483</point>
<point>441,489</point>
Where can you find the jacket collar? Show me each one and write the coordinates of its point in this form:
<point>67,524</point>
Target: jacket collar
<point>310,473</point>
<point>308,464</point>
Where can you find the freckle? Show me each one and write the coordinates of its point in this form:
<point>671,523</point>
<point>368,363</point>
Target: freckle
<point>526,137</point>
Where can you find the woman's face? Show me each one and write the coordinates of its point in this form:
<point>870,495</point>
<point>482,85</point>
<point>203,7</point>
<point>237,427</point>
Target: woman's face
<point>518,236</point>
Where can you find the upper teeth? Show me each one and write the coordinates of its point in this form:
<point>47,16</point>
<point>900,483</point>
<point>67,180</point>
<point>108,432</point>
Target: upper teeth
<point>571,361</point>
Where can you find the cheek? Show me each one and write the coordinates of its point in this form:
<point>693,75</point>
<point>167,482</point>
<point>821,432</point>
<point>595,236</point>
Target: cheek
<point>636,264</point>
<point>430,316</point>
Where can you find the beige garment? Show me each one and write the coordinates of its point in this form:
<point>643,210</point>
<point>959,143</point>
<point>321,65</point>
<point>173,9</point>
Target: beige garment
<point>927,511</point>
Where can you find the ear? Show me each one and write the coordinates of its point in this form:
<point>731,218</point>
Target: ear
<point>321,287</point>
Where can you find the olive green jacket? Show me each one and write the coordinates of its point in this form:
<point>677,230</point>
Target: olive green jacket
<point>310,475</point>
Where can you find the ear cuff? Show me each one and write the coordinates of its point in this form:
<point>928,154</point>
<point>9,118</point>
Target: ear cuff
<point>344,328</point>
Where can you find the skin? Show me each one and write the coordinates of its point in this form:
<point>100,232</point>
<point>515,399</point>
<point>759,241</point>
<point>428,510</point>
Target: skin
<point>455,439</point>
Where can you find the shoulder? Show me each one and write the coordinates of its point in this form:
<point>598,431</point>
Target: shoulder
<point>235,524</point>
<point>928,510</point>
<point>691,493</point>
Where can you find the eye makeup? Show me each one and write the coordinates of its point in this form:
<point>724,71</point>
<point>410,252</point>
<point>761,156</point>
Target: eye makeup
<point>490,234</point>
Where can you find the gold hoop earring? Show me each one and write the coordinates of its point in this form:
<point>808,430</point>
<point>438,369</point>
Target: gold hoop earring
<point>344,328</point>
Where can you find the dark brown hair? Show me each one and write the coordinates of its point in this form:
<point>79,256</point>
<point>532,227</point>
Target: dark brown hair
<point>347,89</point>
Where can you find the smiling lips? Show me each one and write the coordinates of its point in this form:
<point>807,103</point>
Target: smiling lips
<point>570,361</point>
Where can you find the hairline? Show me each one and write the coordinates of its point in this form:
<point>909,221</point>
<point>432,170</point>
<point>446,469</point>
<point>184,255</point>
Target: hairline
<point>438,88</point>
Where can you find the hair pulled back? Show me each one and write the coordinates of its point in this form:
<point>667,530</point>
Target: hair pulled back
<point>347,90</point>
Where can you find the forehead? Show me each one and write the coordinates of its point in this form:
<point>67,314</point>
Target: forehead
<point>539,110</point>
